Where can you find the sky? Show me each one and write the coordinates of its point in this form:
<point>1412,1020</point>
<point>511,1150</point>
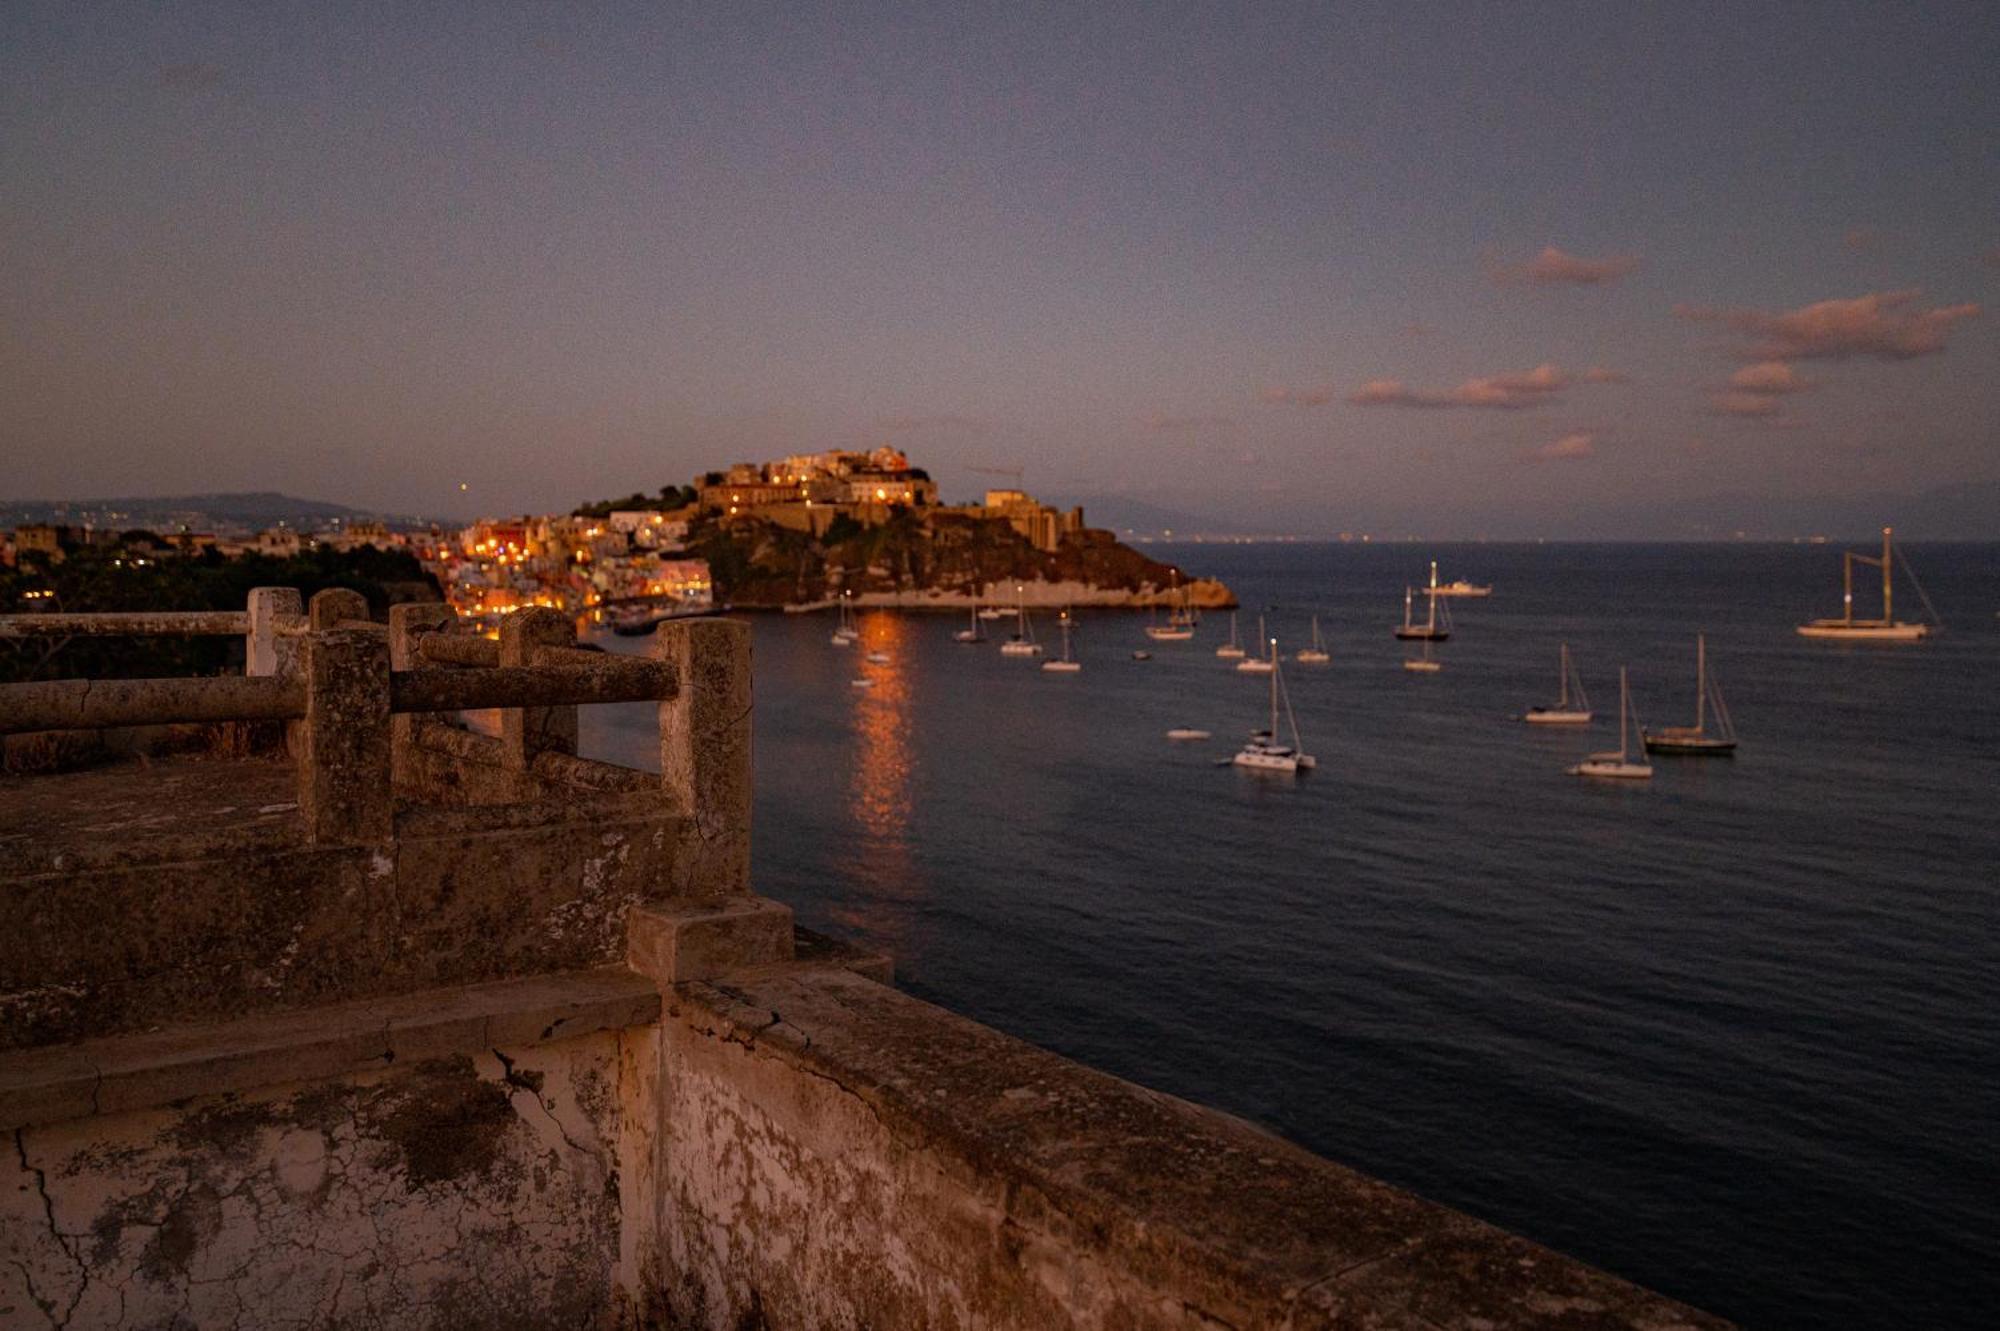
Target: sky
<point>1302,267</point>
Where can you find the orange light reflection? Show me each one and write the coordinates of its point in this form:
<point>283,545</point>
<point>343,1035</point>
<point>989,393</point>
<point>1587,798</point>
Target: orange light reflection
<point>879,800</point>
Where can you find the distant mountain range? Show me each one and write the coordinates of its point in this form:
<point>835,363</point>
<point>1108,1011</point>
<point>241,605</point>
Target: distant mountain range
<point>255,510</point>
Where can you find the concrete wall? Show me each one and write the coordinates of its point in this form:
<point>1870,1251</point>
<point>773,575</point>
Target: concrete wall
<point>467,1190</point>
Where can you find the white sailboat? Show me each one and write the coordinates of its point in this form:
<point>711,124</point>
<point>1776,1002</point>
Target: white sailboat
<point>846,634</point>
<point>971,633</point>
<point>1260,665</point>
<point>1316,654</point>
<point>1263,752</point>
<point>1571,707</point>
<point>1022,641</point>
<point>1423,662</point>
<point>1849,629</point>
<point>1180,618</point>
<point>1698,740</point>
<point>1459,587</point>
<point>1431,629</point>
<point>1065,664</point>
<point>1619,765</point>
<point>992,612</point>
<point>1231,650</point>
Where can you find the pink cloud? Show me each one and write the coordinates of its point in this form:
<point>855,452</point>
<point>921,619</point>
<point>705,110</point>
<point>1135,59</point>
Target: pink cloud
<point>1506,392</point>
<point>1769,378</point>
<point>1576,444</point>
<point>1882,324</point>
<point>1555,267</point>
<point>1159,420</point>
<point>1297,397</point>
<point>1597,374</point>
<point>1744,404</point>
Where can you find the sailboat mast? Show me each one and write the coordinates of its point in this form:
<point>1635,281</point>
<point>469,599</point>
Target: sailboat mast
<point>1886,619</point>
<point>1847,588</point>
<point>1406,606</point>
<point>1562,703</point>
<point>1624,711</point>
<point>1431,620</point>
<point>1700,682</point>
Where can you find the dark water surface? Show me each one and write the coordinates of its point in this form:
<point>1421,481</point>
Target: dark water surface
<point>1734,1034</point>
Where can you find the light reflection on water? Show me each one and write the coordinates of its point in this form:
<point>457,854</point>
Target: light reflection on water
<point>879,779</point>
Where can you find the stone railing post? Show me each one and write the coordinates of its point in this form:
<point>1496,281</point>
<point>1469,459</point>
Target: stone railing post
<point>527,731</point>
<point>407,623</point>
<point>343,762</point>
<point>265,652</point>
<point>329,608</point>
<point>705,752</point>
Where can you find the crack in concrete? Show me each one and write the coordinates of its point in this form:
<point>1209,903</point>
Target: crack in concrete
<point>56,1233</point>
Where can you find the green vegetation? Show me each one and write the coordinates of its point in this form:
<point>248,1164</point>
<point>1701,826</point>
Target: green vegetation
<point>669,497</point>
<point>132,577</point>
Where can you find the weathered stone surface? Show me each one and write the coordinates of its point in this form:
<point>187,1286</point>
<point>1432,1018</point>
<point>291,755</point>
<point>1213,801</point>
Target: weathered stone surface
<point>705,753</point>
<point>344,787</point>
<point>669,942</point>
<point>527,731</point>
<point>478,1190</point>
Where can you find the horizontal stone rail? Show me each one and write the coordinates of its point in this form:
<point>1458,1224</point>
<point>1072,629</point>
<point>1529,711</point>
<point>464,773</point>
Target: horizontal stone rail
<point>603,679</point>
<point>101,704</point>
<point>148,623</point>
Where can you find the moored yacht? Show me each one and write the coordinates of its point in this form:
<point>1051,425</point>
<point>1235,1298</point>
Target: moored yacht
<point>1700,740</point>
<point>1618,765</point>
<point>1849,629</point>
<point>1263,751</point>
<point>1571,707</point>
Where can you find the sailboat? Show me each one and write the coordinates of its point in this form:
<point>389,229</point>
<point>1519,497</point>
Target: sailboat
<point>1231,650</point>
<point>1423,662</point>
<point>1260,665</point>
<point>1849,629</point>
<point>1618,765</point>
<point>1263,752</point>
<point>1430,629</point>
<point>1180,619</point>
<point>971,633</point>
<point>846,634</point>
<point>1698,740</point>
<point>1021,642</point>
<point>1458,588</point>
<point>1571,707</point>
<point>1316,654</point>
<point>991,612</point>
<point>1066,664</point>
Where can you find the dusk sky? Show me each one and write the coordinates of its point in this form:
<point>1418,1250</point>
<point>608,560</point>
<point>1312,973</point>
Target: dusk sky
<point>1307,267</point>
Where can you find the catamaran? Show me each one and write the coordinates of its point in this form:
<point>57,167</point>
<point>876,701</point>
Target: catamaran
<point>1263,752</point>
<point>1430,629</point>
<point>971,633</point>
<point>1698,740</point>
<point>1260,665</point>
<point>1316,654</point>
<point>1618,765</point>
<point>1571,707</point>
<point>1231,650</point>
<point>846,634</point>
<point>1460,587</point>
<point>1886,629</point>
<point>1066,664</point>
<point>1021,642</point>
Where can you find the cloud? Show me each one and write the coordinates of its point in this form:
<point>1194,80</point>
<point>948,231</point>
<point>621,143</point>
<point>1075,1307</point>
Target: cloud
<point>1554,267</point>
<point>1297,397</point>
<point>1597,374</point>
<point>1159,420</point>
<point>1882,324</point>
<point>1861,238</point>
<point>1769,378</point>
<point>1744,404</point>
<point>903,424</point>
<point>1505,392</point>
<point>1574,445</point>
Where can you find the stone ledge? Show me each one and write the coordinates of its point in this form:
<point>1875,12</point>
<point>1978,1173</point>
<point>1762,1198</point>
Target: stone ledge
<point>120,1074</point>
<point>1210,1212</point>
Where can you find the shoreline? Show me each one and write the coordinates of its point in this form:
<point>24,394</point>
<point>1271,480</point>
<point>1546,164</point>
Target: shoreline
<point>1202,593</point>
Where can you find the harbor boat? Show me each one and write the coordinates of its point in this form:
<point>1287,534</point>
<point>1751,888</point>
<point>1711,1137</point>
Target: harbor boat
<point>862,683</point>
<point>1460,587</point>
<point>1619,765</point>
<point>878,658</point>
<point>1021,642</point>
<point>1231,650</point>
<point>1886,629</point>
<point>846,634</point>
<point>1571,707</point>
<point>1065,664</point>
<point>1423,663</point>
<point>972,633</point>
<point>992,612</point>
<point>1142,655</point>
<point>1698,740</point>
<point>1261,665</point>
<point>1186,733</point>
<point>1317,653</point>
<point>1180,618</point>
<point>1431,629</point>
<point>1263,751</point>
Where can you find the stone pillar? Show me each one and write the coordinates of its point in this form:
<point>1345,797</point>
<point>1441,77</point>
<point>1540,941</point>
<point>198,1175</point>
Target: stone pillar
<point>407,623</point>
<point>343,764</point>
<point>705,753</point>
<point>263,648</point>
<point>335,605</point>
<point>527,731</point>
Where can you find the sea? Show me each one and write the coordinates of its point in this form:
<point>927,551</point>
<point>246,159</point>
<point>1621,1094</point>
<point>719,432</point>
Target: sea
<point>1732,1033</point>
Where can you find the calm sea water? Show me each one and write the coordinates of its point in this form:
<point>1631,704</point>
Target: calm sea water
<point>1734,1034</point>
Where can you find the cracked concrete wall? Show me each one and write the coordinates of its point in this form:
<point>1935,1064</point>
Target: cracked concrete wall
<point>479,1191</point>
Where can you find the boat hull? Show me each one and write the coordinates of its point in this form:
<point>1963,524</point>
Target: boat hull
<point>1424,667</point>
<point>1062,667</point>
<point>1170,635</point>
<point>1419,633</point>
<point>1613,769</point>
<point>1020,649</point>
<point>1460,590</point>
<point>1311,657</point>
<point>1230,653</point>
<point>1265,762</point>
<point>1840,630</point>
<point>1550,716</point>
<point>1254,667</point>
<point>1691,746</point>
